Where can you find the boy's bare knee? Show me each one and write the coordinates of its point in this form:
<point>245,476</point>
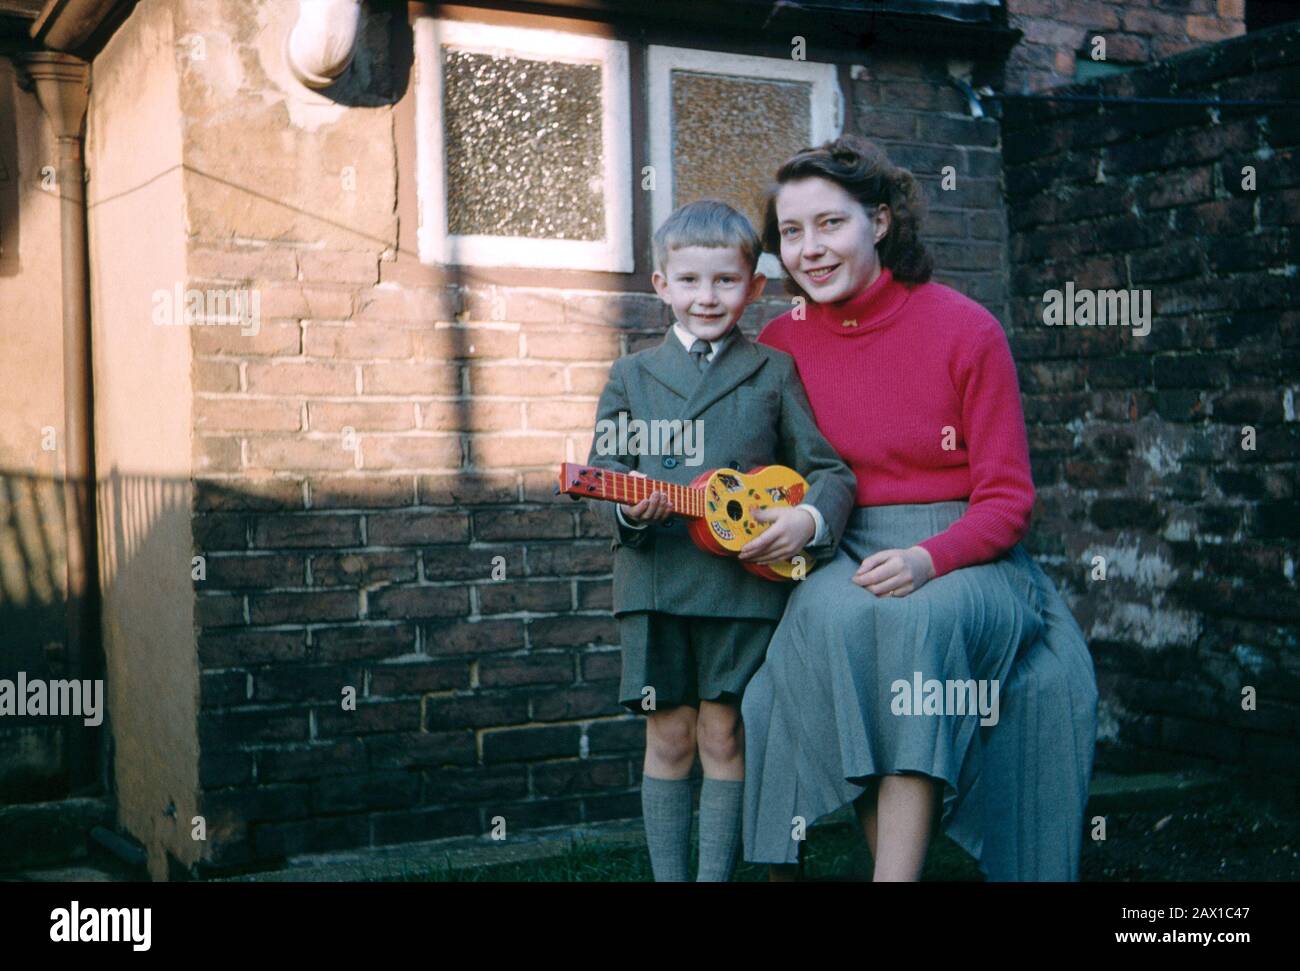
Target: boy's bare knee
<point>670,735</point>
<point>720,733</point>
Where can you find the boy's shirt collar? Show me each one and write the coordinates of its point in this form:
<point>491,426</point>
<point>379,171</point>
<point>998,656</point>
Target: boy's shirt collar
<point>688,340</point>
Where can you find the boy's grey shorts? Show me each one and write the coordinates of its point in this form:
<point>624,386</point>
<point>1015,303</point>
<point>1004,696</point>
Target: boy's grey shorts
<point>688,659</point>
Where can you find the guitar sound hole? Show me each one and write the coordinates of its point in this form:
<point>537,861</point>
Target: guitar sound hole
<point>735,510</point>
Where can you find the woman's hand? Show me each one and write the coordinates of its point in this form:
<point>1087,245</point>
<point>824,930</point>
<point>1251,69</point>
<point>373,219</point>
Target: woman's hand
<point>654,508</point>
<point>791,530</point>
<point>895,573</point>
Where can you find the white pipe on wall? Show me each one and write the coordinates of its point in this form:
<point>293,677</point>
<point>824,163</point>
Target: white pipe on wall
<point>322,41</point>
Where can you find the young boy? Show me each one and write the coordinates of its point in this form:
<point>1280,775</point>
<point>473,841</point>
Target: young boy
<point>695,627</point>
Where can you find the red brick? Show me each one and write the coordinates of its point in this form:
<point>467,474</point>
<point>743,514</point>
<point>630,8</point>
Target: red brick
<point>214,376</point>
<point>461,562</point>
<point>571,631</point>
<point>246,415</point>
<point>408,679</point>
<point>361,491</point>
<point>395,378</point>
<point>334,266</point>
<point>566,415</point>
<point>368,718</point>
<point>334,416</point>
<point>410,451</point>
<point>1213,28</point>
<point>416,528</point>
<point>463,343</point>
<point>581,345</point>
<point>420,305</point>
<point>516,380</point>
<point>473,637</point>
<point>255,570</point>
<point>550,669</point>
<point>303,608</point>
<point>471,415</point>
<point>586,379</point>
<point>523,524</point>
<point>357,341</point>
<point>505,597</point>
<point>626,310</point>
<point>513,451</point>
<point>306,531</point>
<point>292,300</point>
<point>418,602</point>
<point>355,569</point>
<point>278,454</point>
<point>363,641</point>
<point>301,377</point>
<point>212,453</point>
<point>231,648</point>
<point>527,744</point>
<point>270,338</point>
<point>471,487</point>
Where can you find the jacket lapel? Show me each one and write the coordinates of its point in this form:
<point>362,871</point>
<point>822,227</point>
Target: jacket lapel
<point>735,362</point>
<point>672,367</point>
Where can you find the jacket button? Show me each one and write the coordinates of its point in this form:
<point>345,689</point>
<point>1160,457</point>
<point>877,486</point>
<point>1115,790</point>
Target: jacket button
<point>670,462</point>
<point>734,466</point>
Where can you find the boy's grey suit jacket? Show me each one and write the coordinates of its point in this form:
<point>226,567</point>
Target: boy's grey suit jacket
<point>754,412</point>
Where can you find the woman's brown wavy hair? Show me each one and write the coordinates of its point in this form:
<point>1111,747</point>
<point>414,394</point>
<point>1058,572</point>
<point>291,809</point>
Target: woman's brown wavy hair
<point>862,169</point>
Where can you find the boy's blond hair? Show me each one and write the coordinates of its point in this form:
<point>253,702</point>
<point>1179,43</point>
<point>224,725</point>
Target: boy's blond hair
<point>707,222</point>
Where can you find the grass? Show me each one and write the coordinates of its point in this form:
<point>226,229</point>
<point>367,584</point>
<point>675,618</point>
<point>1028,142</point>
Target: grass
<point>1244,837</point>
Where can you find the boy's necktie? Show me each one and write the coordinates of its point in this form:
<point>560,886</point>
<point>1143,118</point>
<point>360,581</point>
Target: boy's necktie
<point>699,350</point>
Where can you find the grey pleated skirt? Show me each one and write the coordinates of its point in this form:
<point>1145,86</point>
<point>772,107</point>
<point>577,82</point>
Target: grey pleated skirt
<point>826,711</point>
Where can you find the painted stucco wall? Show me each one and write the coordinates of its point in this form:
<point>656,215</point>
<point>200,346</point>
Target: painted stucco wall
<point>143,431</point>
<point>33,543</point>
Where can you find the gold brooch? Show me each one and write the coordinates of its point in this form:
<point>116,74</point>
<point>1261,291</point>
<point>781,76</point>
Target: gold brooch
<point>848,323</point>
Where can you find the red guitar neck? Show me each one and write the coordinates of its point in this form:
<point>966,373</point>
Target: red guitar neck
<point>595,483</point>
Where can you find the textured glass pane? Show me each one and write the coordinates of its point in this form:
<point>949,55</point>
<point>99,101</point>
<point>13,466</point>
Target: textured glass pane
<point>730,134</point>
<point>523,147</point>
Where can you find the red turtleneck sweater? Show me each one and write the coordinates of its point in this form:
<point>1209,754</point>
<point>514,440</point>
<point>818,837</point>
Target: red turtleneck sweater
<point>921,368</point>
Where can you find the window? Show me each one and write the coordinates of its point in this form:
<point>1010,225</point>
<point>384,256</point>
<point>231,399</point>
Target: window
<point>719,121</point>
<point>523,148</point>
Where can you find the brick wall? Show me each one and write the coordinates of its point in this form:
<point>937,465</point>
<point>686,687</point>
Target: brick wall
<point>909,106</point>
<point>1138,442</point>
<point>1137,32</point>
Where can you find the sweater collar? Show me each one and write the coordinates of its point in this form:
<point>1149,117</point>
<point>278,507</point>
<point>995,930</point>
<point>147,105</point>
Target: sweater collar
<point>866,311</point>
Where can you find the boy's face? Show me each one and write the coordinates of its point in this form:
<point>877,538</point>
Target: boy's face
<point>708,288</point>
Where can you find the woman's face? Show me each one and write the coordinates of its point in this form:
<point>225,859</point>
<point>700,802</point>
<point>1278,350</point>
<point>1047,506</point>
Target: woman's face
<point>828,240</point>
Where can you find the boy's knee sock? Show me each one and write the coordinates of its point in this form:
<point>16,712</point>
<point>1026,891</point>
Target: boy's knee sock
<point>720,821</point>
<point>666,806</point>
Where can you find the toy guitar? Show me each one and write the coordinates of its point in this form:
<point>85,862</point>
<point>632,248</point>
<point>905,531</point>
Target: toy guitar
<point>716,504</point>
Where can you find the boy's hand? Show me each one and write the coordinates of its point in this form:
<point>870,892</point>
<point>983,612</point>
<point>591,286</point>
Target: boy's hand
<point>791,530</point>
<point>654,508</point>
<point>895,573</point>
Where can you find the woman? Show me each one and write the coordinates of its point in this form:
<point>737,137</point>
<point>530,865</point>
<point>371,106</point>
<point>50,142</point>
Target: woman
<point>930,673</point>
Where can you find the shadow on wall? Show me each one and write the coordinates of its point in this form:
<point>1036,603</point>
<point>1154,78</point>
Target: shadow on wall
<point>33,604</point>
<point>34,608</point>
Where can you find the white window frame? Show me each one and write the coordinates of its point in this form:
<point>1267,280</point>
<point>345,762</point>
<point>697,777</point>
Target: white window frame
<point>826,122</point>
<point>436,245</point>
